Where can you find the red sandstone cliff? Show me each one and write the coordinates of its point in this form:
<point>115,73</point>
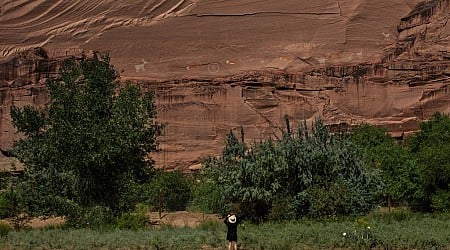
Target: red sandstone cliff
<point>382,62</point>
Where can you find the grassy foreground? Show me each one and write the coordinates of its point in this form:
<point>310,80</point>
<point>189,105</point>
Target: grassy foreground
<point>393,231</point>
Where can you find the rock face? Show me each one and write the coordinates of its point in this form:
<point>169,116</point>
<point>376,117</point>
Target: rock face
<point>219,65</point>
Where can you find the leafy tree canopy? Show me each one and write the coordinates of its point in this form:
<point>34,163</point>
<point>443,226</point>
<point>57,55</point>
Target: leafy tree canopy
<point>89,142</point>
<point>399,169</point>
<point>431,148</point>
<point>306,173</point>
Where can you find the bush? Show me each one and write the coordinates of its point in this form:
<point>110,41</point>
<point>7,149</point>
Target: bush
<point>4,229</point>
<point>206,197</point>
<point>308,173</point>
<point>6,205</point>
<point>169,191</point>
<point>92,217</point>
<point>441,201</point>
<point>397,166</point>
<point>282,209</point>
<point>134,220</point>
<point>396,214</point>
<point>210,225</point>
<point>9,203</point>
<point>431,148</point>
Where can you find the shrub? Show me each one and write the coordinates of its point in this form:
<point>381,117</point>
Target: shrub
<point>9,204</point>
<point>134,220</point>
<point>431,148</point>
<point>318,172</point>
<point>169,191</point>
<point>394,215</point>
<point>6,205</point>
<point>331,199</point>
<point>92,217</point>
<point>397,166</point>
<point>282,209</point>
<point>131,221</point>
<point>210,225</point>
<point>206,197</point>
<point>441,201</point>
<point>4,229</point>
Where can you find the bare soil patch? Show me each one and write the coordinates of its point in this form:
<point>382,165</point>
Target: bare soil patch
<point>174,219</point>
<point>183,218</point>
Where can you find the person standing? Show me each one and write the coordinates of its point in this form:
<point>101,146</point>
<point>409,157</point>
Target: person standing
<point>232,222</point>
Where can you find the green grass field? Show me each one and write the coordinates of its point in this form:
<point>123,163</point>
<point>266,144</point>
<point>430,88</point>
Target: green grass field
<point>398,230</point>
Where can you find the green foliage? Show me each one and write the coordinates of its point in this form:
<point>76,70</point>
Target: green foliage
<point>331,200</point>
<point>92,217</point>
<point>441,201</point>
<point>411,232</point>
<point>399,169</point>
<point>417,172</point>
<point>8,196</point>
<point>7,204</point>
<point>305,173</point>
<point>206,197</point>
<point>431,148</point>
<point>36,194</point>
<point>234,149</point>
<point>394,215</point>
<point>4,229</point>
<point>88,144</point>
<point>210,225</point>
<point>135,219</point>
<point>169,191</point>
<point>282,209</point>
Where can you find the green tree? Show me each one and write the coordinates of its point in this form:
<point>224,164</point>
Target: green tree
<point>234,149</point>
<point>89,143</point>
<point>169,191</point>
<point>206,196</point>
<point>292,174</point>
<point>399,169</point>
<point>431,147</point>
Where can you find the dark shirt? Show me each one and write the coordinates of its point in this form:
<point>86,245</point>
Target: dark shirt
<point>232,229</point>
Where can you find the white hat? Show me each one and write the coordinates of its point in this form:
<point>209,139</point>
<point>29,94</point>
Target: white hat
<point>232,219</point>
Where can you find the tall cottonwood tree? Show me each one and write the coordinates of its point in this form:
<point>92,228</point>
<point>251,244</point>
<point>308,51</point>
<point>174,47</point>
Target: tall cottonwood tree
<point>91,141</point>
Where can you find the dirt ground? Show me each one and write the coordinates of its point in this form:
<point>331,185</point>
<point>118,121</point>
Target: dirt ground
<point>175,219</point>
<point>10,163</point>
<point>183,218</point>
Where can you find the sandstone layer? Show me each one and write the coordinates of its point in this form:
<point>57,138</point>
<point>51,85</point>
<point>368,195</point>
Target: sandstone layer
<point>218,65</point>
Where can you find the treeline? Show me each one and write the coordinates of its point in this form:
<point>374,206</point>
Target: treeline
<point>315,173</point>
<point>86,158</point>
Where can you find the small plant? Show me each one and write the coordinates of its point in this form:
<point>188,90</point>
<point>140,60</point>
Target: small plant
<point>441,201</point>
<point>4,229</point>
<point>395,215</point>
<point>134,220</point>
<point>93,217</point>
<point>6,205</point>
<point>210,225</point>
<point>360,238</point>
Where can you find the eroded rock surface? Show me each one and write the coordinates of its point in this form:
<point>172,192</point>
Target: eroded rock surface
<point>218,65</point>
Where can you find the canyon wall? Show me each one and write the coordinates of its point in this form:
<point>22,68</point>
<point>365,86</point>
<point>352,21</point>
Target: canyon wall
<point>347,62</point>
